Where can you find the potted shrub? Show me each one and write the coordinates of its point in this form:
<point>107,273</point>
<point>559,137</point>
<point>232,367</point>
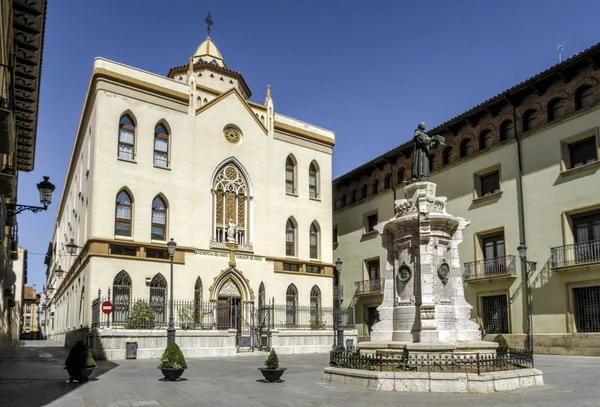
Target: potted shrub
<point>272,372</point>
<point>80,363</point>
<point>172,363</point>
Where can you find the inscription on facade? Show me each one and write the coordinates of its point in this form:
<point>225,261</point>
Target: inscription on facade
<point>224,254</point>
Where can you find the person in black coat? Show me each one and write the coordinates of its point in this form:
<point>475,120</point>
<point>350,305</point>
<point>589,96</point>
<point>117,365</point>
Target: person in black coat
<point>76,360</point>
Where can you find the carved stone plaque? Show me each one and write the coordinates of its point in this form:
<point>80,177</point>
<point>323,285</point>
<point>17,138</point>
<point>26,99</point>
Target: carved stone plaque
<point>444,272</point>
<point>404,273</point>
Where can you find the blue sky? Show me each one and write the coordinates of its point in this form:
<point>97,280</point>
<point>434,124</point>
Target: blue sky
<point>369,70</point>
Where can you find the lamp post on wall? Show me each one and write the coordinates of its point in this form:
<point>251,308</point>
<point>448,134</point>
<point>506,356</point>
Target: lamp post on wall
<point>171,329</point>
<point>45,188</point>
<point>340,330</point>
<point>528,267</point>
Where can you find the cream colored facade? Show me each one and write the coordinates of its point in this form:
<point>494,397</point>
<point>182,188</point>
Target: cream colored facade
<point>538,199</point>
<point>214,133</point>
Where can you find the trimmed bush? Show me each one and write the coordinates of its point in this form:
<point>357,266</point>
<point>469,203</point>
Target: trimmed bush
<point>172,358</point>
<point>90,362</point>
<point>502,343</point>
<point>141,316</point>
<point>272,361</point>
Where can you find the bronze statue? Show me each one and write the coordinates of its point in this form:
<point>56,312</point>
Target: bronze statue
<point>423,142</point>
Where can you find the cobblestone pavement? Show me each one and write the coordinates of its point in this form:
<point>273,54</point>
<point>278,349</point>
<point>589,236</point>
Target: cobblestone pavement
<point>32,375</point>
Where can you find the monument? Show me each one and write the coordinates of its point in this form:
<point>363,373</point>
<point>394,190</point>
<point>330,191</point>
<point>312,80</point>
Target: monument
<point>424,307</point>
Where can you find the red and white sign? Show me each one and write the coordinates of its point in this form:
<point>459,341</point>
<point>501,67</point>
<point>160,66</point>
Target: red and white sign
<point>107,307</point>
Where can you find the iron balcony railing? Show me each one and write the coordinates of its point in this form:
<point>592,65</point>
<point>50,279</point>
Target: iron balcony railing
<point>494,267</point>
<point>370,286</point>
<point>575,254</point>
<point>341,292</point>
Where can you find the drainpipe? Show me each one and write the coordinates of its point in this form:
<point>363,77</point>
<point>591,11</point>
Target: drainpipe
<point>522,238</point>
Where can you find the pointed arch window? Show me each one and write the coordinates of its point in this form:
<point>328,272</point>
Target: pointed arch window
<point>313,181</point>
<point>353,196</point>
<point>158,297</point>
<point>447,156</point>
<point>161,146</point>
<point>198,301</point>
<point>126,138</point>
<point>231,202</point>
<point>432,159</point>
<point>121,296</point>
<point>261,305</point>
<point>291,305</point>
<point>315,308</point>
<point>159,219</point>
<point>290,238</point>
<point>290,175</point>
<point>314,241</point>
<point>507,130</point>
<point>123,214</point>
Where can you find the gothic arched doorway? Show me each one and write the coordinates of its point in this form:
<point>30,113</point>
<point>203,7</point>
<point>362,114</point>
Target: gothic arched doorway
<point>229,306</point>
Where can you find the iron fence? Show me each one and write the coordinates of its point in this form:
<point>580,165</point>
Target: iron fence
<point>461,363</point>
<point>370,286</point>
<point>498,266</point>
<point>574,254</point>
<point>292,316</point>
<point>143,313</point>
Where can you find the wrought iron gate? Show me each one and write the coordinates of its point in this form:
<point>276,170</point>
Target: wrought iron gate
<point>495,314</point>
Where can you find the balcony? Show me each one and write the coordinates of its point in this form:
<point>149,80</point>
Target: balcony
<point>369,287</point>
<point>497,268</point>
<point>575,255</point>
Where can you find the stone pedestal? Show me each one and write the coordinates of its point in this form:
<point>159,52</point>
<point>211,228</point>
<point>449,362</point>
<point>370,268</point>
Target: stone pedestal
<point>424,300</point>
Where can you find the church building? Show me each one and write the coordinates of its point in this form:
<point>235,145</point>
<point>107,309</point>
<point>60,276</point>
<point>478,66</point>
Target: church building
<point>244,193</point>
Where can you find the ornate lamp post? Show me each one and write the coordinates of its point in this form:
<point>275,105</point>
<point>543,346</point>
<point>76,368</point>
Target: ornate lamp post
<point>46,188</point>
<point>171,329</point>
<point>340,330</point>
<point>528,267</point>
<point>72,247</point>
<point>59,272</point>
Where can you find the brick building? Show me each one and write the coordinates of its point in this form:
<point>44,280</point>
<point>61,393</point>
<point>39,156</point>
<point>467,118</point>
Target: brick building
<point>522,167</point>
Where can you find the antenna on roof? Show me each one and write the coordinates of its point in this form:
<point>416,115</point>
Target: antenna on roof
<point>560,49</point>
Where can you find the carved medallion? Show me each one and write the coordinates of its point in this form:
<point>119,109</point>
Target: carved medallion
<point>232,135</point>
<point>404,273</point>
<point>444,272</point>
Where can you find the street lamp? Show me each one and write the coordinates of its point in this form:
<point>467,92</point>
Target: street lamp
<point>340,330</point>
<point>72,247</point>
<point>528,267</point>
<point>171,329</point>
<point>46,188</point>
<point>59,272</point>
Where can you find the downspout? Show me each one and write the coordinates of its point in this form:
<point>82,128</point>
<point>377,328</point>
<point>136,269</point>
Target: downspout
<point>522,238</point>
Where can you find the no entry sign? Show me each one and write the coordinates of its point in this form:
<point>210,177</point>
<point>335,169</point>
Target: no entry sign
<point>107,307</point>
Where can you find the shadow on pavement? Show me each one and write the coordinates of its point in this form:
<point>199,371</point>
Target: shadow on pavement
<point>32,374</point>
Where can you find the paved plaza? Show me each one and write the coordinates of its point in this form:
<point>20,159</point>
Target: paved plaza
<point>32,375</point>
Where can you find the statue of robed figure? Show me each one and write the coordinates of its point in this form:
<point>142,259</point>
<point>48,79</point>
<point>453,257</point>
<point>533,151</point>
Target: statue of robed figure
<point>422,144</point>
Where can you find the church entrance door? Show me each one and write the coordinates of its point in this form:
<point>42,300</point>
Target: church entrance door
<point>228,313</point>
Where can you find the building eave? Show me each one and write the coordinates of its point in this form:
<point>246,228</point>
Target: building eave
<point>226,71</point>
<point>29,21</point>
<point>514,95</point>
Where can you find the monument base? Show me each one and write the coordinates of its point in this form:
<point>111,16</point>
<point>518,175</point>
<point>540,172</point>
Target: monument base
<point>424,350</point>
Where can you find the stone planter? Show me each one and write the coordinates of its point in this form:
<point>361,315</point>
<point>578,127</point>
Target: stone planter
<point>81,375</point>
<point>171,374</point>
<point>272,375</point>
